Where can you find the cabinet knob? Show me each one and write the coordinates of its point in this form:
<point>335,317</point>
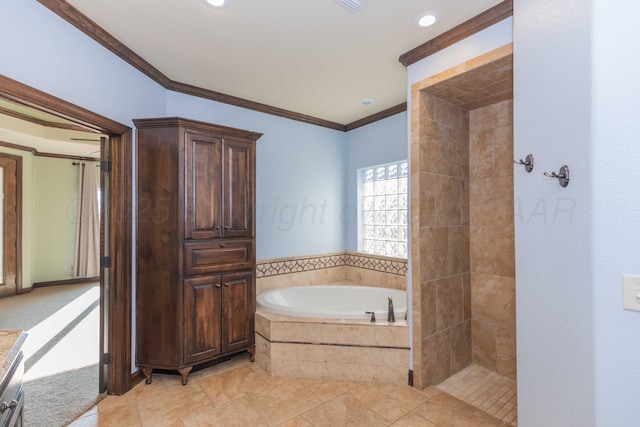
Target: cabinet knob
<point>4,406</point>
<point>226,284</point>
<point>217,285</point>
<point>218,228</point>
<point>222,245</point>
<point>226,227</point>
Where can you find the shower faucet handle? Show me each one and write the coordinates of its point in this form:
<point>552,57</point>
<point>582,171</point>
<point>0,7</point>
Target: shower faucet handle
<point>373,315</point>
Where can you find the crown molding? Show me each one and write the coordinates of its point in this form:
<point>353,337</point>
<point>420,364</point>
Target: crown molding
<point>400,108</point>
<point>42,154</point>
<point>468,28</point>
<point>79,20</point>
<point>76,18</point>
<point>46,123</point>
<point>251,105</point>
<point>82,22</point>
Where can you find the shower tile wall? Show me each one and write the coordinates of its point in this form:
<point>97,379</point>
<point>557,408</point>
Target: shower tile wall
<point>443,242</point>
<point>492,237</point>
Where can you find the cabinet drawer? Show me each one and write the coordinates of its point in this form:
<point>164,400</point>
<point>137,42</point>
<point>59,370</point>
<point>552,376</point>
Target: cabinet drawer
<point>12,416</point>
<point>11,393</point>
<point>221,255</point>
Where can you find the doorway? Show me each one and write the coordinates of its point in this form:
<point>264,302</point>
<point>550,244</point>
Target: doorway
<point>464,264</point>
<point>116,285</point>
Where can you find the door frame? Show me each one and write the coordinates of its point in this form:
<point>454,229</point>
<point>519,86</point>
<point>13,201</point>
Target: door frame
<point>120,378</point>
<point>18,199</point>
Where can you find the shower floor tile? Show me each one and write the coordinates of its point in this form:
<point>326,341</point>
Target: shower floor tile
<point>486,390</point>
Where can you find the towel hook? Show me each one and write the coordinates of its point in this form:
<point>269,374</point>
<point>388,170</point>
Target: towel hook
<point>562,175</point>
<point>527,162</point>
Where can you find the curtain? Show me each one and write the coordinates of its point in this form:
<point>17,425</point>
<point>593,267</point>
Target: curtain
<point>86,260</point>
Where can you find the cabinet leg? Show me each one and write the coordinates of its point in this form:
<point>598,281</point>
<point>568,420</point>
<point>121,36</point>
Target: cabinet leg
<point>185,372</point>
<point>147,374</point>
<point>252,352</point>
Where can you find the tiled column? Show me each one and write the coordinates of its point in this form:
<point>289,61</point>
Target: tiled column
<point>442,240</point>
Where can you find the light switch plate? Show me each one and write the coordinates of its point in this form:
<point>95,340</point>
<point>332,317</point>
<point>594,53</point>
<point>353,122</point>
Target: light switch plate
<point>631,292</point>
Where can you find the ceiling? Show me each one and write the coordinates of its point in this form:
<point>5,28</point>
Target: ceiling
<point>46,133</point>
<point>312,57</point>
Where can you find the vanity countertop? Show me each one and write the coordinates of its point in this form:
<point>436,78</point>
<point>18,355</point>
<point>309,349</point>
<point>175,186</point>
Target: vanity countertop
<point>10,344</point>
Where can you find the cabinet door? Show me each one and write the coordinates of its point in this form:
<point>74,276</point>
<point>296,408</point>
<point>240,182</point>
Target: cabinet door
<point>202,314</point>
<point>239,193</point>
<point>203,189</point>
<point>238,311</point>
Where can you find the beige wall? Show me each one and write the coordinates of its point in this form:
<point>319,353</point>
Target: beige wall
<point>55,194</point>
<point>49,192</point>
<point>492,238</point>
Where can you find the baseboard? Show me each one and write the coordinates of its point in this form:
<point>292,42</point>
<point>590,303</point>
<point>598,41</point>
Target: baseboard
<point>66,282</point>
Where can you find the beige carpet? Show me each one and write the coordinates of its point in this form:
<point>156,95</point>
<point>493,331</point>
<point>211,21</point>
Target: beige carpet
<point>61,351</point>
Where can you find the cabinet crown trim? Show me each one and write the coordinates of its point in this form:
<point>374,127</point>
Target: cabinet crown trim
<point>161,122</point>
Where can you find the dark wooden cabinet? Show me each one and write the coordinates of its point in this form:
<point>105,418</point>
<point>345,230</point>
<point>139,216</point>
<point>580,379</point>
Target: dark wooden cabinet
<point>11,373</point>
<point>196,243</point>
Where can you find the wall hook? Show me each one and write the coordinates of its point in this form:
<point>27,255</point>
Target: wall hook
<point>527,162</point>
<point>562,175</point>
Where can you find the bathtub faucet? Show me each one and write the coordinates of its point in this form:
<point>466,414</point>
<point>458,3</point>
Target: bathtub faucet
<point>391,317</point>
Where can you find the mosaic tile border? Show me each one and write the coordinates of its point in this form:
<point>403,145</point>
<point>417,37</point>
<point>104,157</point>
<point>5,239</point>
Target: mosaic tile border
<point>377,263</point>
<point>275,267</point>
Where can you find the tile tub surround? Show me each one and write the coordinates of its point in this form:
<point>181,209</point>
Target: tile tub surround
<point>356,268</point>
<point>354,350</point>
<point>445,159</point>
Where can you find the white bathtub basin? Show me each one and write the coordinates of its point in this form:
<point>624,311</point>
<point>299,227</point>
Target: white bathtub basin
<point>334,301</point>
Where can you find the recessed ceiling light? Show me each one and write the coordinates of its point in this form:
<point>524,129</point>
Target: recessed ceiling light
<point>366,101</point>
<point>427,19</point>
<point>217,3</point>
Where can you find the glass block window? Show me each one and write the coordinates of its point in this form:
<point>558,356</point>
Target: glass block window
<point>383,200</point>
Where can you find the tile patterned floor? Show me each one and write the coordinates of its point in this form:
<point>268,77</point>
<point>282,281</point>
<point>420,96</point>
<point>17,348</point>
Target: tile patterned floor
<point>240,393</point>
<point>486,390</point>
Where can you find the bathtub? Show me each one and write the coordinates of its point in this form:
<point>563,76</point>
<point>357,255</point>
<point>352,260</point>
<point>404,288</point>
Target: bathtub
<point>334,301</point>
<point>322,332</point>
